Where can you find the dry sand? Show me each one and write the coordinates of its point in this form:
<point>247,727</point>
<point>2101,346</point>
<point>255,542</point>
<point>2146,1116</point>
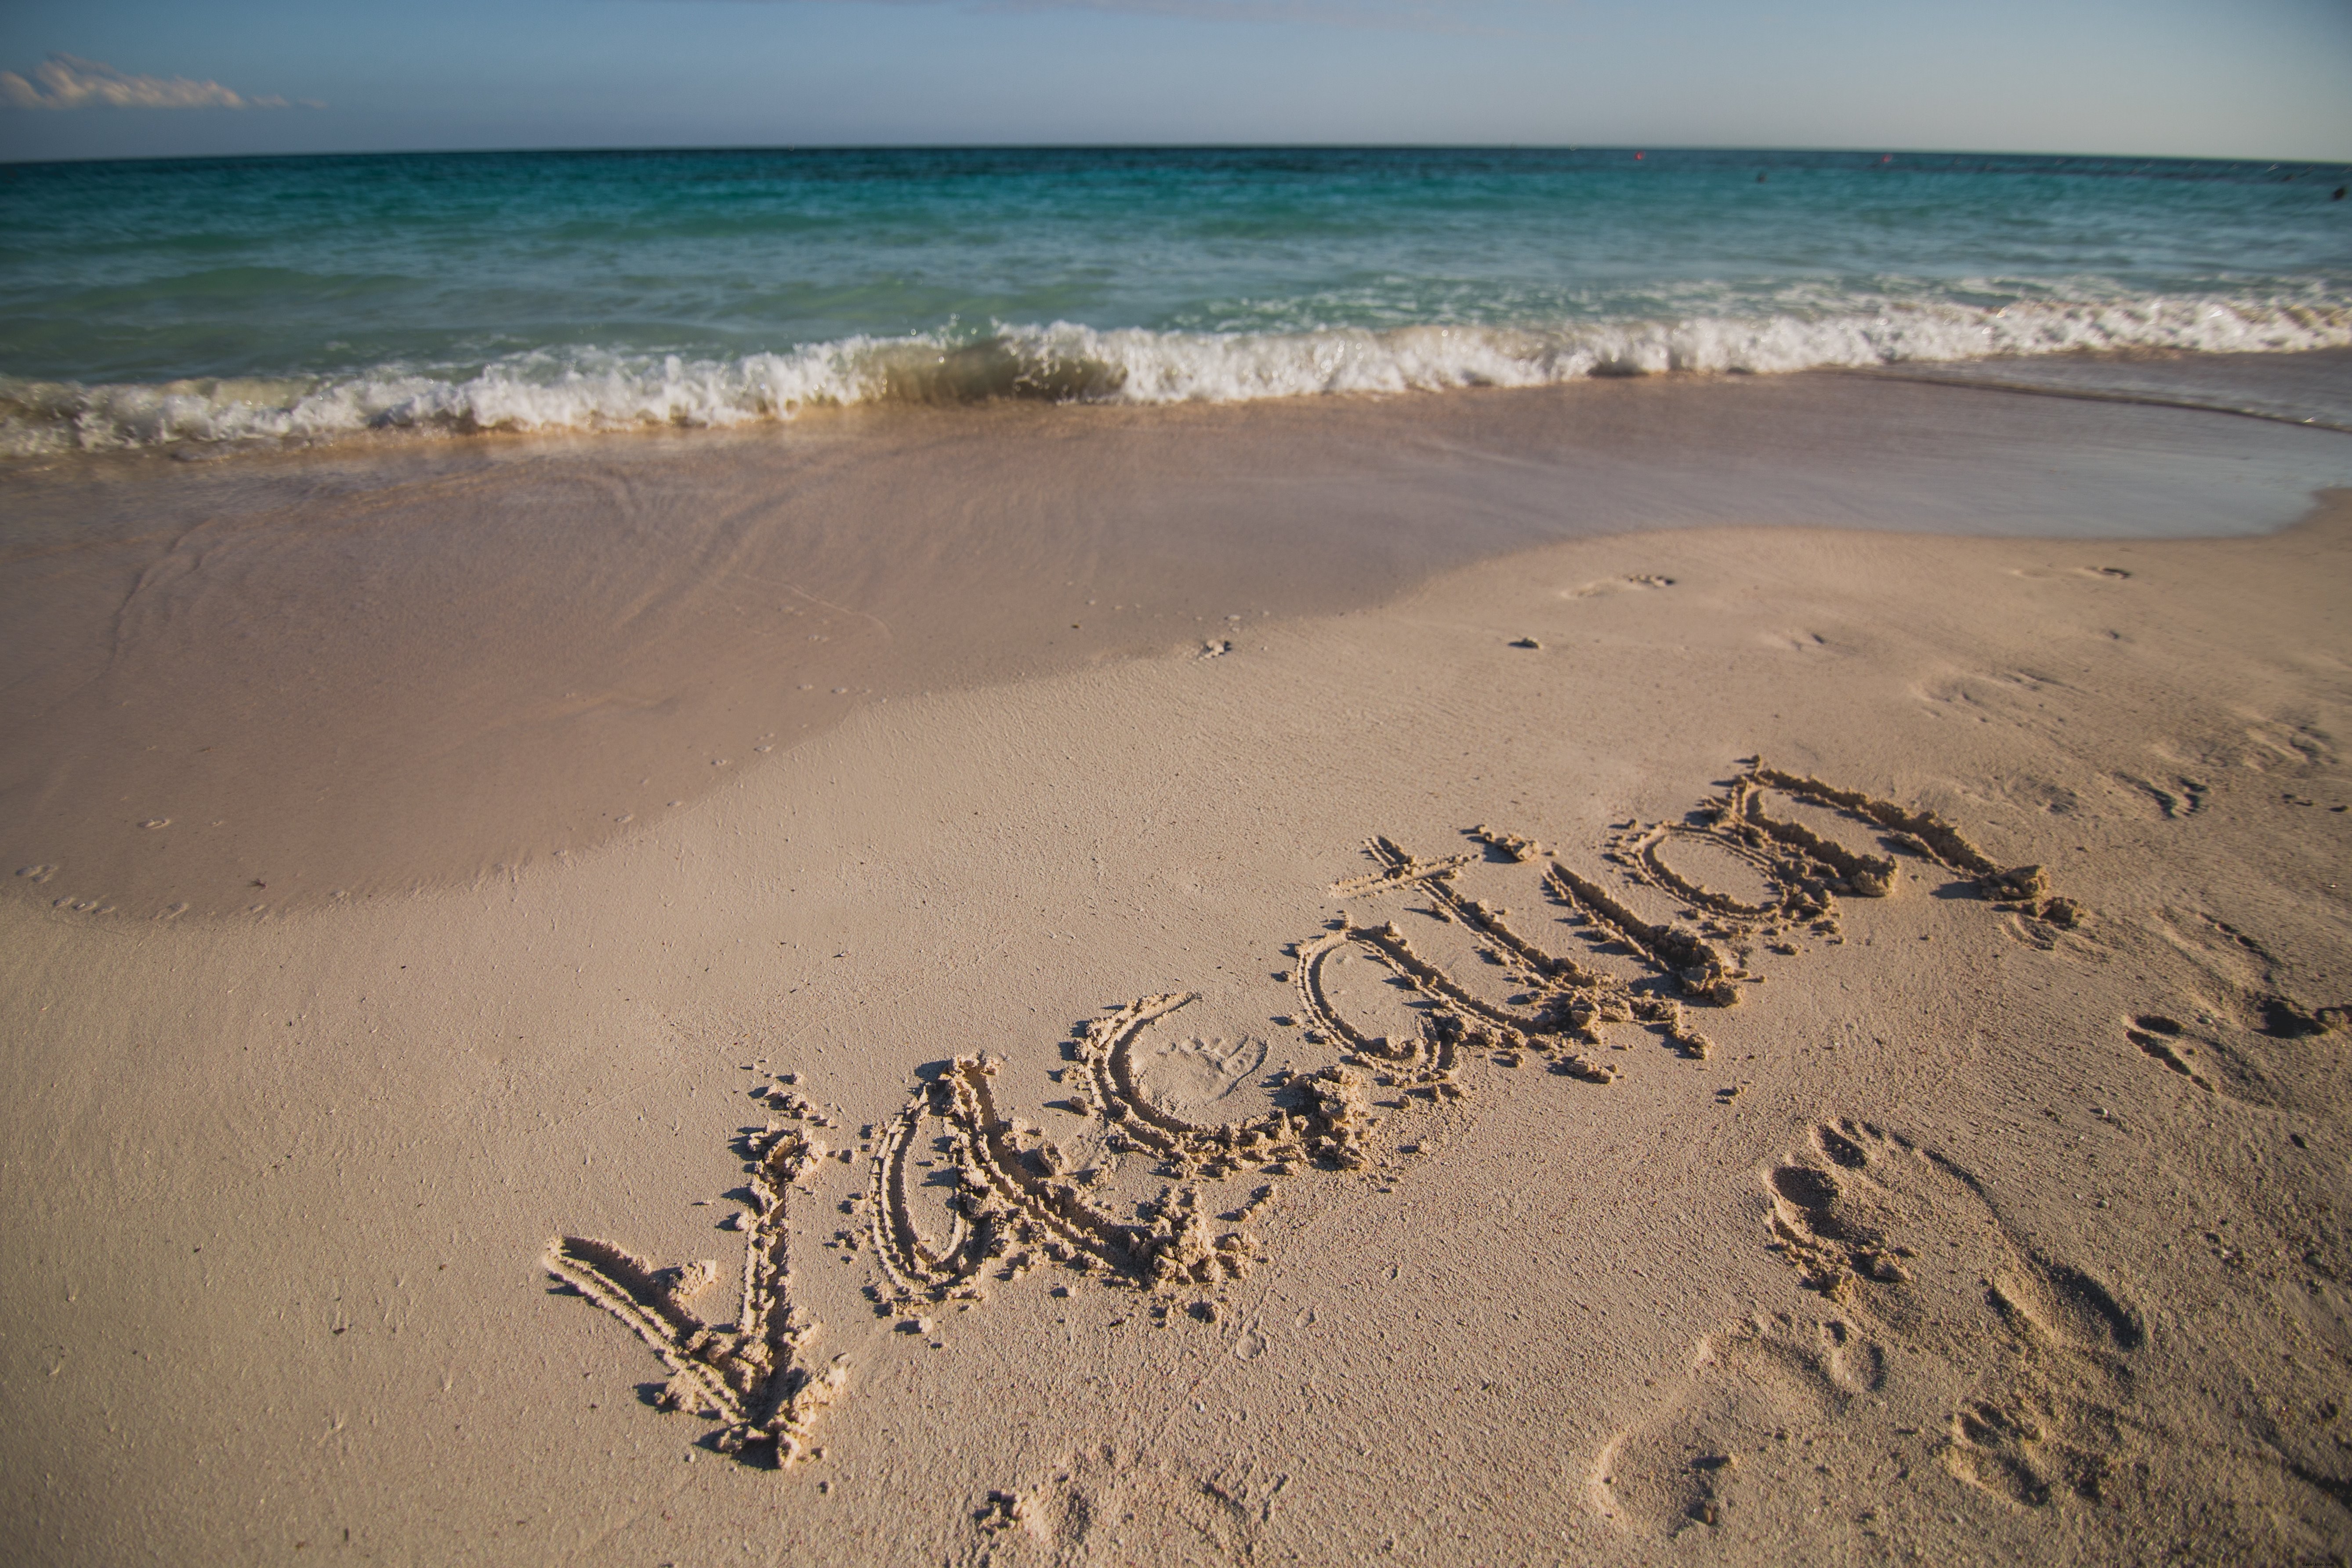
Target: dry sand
<point>1795,1181</point>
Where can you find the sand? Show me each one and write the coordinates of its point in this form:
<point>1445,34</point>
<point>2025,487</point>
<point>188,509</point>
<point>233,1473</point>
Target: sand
<point>1778,1044</point>
<point>366,670</point>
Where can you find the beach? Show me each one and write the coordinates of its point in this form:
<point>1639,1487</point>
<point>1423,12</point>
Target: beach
<point>1113,854</point>
<point>373,666</point>
<point>1743,966</point>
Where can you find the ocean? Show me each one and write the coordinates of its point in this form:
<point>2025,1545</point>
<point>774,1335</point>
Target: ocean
<point>306,299</point>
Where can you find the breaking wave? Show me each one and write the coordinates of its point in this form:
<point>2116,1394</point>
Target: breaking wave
<point>588,389</point>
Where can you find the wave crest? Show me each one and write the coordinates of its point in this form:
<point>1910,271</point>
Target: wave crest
<point>592,389</point>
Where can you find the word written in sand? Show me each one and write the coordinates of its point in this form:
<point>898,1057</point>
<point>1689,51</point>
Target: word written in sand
<point>1015,1203</point>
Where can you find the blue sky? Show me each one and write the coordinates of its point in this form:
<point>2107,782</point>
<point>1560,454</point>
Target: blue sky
<point>2256,79</point>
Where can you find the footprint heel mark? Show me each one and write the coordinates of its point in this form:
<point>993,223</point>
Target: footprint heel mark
<point>2158,1037</point>
<point>1987,1450</point>
<point>2094,1300</point>
<point>2040,1441</point>
<point>1856,1365</point>
<point>2066,1306</point>
<point>2172,806</point>
<point>1728,1436</point>
<point>751,1378</point>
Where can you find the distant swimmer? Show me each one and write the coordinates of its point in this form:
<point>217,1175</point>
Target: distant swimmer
<point>2339,195</point>
<point>1761,178</point>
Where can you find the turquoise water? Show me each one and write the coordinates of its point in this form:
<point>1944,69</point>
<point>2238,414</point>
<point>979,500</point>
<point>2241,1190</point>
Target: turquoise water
<point>300,298</point>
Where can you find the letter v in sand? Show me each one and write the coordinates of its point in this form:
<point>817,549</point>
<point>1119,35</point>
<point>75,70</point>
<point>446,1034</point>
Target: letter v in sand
<point>750,1375</point>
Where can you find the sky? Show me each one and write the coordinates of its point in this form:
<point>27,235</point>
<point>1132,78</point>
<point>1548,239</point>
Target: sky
<point>2238,79</point>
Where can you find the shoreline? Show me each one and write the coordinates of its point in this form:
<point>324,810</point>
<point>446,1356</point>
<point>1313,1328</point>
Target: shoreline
<point>346,1134</point>
<point>336,676</point>
<point>227,417</point>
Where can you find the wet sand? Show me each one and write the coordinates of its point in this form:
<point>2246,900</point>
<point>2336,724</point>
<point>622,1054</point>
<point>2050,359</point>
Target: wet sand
<point>1447,1101</point>
<point>320,676</point>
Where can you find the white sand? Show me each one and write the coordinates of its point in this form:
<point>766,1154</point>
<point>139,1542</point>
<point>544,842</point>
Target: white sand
<point>281,1190</point>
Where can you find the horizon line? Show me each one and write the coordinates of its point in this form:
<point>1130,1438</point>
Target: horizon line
<point>1862,149</point>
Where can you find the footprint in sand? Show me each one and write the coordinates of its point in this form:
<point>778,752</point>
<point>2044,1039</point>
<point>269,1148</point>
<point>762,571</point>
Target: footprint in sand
<point>2164,1039</point>
<point>1748,1419</point>
<point>1633,584</point>
<point>2233,1031</point>
<point>2254,1049</point>
<point>1927,1290</point>
<point>1083,1508</point>
<point>2049,1337</point>
<point>2171,799</point>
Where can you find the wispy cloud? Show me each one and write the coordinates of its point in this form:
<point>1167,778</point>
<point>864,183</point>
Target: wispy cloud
<point>68,81</point>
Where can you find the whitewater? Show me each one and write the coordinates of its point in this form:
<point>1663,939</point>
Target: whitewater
<point>155,303</point>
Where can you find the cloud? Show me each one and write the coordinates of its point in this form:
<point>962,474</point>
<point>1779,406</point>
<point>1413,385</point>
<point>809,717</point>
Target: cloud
<point>67,81</point>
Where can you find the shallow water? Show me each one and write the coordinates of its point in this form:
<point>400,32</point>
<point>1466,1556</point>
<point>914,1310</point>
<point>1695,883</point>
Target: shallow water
<point>230,300</point>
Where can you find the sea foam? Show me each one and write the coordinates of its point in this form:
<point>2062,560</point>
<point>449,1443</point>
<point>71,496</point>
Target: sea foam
<point>589,389</point>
